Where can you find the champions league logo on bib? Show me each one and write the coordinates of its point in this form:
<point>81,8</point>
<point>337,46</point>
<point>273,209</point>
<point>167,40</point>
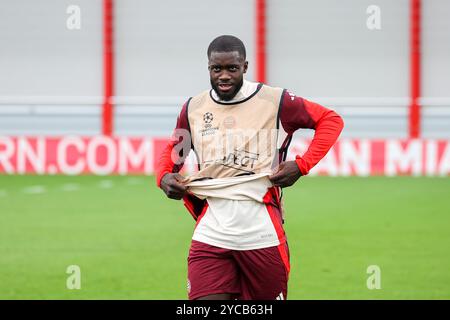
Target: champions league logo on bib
<point>208,117</point>
<point>208,129</point>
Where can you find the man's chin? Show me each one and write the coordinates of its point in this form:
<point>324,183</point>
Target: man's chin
<point>225,96</point>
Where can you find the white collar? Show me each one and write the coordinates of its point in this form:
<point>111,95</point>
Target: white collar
<point>248,88</point>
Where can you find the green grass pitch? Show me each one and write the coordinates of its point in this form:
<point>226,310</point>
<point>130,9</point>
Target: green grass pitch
<point>131,242</point>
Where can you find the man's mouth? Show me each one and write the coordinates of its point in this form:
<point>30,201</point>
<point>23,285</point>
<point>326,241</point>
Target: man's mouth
<point>224,87</point>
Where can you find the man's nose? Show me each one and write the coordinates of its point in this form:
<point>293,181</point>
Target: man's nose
<point>224,76</point>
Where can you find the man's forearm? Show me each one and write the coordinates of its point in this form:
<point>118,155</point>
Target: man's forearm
<point>326,134</point>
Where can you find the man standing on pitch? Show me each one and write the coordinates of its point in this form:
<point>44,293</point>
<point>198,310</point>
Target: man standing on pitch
<point>240,132</point>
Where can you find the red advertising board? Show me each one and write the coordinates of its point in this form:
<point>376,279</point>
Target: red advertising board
<point>102,155</point>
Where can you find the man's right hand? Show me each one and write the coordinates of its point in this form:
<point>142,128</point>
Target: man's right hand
<point>172,186</point>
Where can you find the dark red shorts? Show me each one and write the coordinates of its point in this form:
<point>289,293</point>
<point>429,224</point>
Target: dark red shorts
<point>260,274</point>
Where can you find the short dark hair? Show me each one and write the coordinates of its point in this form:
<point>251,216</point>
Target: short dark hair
<point>227,43</point>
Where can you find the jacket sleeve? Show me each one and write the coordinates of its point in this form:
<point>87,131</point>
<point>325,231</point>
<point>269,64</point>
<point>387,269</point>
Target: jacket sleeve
<point>177,149</point>
<point>297,113</point>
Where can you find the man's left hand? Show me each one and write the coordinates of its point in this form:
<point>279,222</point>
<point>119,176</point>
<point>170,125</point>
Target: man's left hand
<point>285,174</point>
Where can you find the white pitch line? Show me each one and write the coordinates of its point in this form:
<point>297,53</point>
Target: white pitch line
<point>70,187</point>
<point>106,184</point>
<point>35,190</point>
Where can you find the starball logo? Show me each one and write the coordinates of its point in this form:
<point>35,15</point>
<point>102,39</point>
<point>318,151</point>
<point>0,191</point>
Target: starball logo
<point>208,117</point>
<point>208,128</point>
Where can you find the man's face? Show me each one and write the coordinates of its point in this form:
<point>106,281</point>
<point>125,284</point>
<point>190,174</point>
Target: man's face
<point>226,71</point>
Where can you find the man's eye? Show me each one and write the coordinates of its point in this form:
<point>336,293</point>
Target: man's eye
<point>216,69</point>
<point>233,68</point>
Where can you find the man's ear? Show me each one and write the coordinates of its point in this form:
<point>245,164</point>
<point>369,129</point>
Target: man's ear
<point>245,66</point>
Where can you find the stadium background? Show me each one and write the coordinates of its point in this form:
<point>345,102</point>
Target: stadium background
<point>84,113</point>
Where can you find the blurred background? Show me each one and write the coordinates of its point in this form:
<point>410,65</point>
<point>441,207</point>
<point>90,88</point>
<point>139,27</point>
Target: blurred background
<point>90,91</point>
<point>52,77</point>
